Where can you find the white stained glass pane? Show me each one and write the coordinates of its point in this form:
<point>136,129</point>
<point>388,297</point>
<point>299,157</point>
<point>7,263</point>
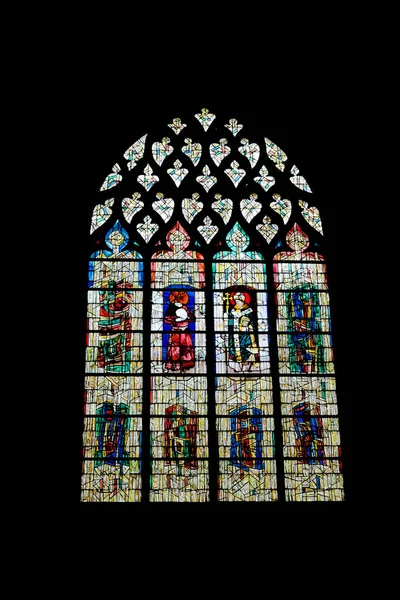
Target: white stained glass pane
<point>177,125</point>
<point>223,206</point>
<point>208,230</point>
<point>192,150</point>
<point>234,127</point>
<point>313,482</point>
<point>282,206</point>
<point>298,180</point>
<point>319,392</point>
<point>148,179</point>
<point>135,152</point>
<point>101,213</point>
<point>265,180</point>
<point>178,173</point>
<point>219,151</point>
<point>250,484</point>
<point>161,150</point>
<point>206,180</point>
<point>233,392</point>
<point>205,118</point>
<point>130,206</point>
<point>174,481</point>
<point>191,207</point>
<point>250,151</point>
<point>250,207</point>
<point>164,206</point>
<point>189,392</point>
<point>118,390</point>
<point>311,215</point>
<point>267,229</point>
<point>235,173</point>
<point>275,154</point>
<point>147,229</point>
<point>111,483</point>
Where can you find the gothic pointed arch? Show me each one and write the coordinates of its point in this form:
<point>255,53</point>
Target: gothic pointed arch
<point>210,373</point>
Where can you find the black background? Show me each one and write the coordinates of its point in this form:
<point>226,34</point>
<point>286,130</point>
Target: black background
<point>309,110</point>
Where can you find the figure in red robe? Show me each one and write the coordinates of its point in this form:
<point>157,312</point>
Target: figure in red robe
<point>180,350</point>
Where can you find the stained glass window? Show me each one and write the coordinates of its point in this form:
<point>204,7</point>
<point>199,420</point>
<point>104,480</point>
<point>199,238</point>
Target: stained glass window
<point>114,366</point>
<point>311,439</point>
<point>210,373</point>
<point>243,385</point>
<point>178,388</point>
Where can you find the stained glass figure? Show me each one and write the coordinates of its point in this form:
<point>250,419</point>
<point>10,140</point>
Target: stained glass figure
<point>180,350</point>
<point>112,429</point>
<point>208,230</point>
<point>267,229</point>
<point>101,213</point>
<point>206,180</point>
<point>112,439</point>
<point>298,180</point>
<point>177,125</point>
<point>180,432</point>
<point>223,206</point>
<point>164,206</point>
<point>240,313</point>
<point>312,451</point>
<point>219,151</point>
<point>234,127</point>
<point>135,152</point>
<point>114,352</point>
<point>160,150</point>
<point>246,438</point>
<point>205,118</point>
<point>250,207</point>
<point>178,173</point>
<point>306,352</point>
<point>309,436</point>
<point>311,215</point>
<point>302,308</point>
<point>266,181</point>
<point>131,206</point>
<point>235,174</point>
<point>191,207</point>
<point>192,150</point>
<point>275,154</point>
<point>282,206</point>
<point>250,151</point>
<point>147,229</point>
<point>147,180</point>
<point>112,179</point>
<point>112,347</point>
